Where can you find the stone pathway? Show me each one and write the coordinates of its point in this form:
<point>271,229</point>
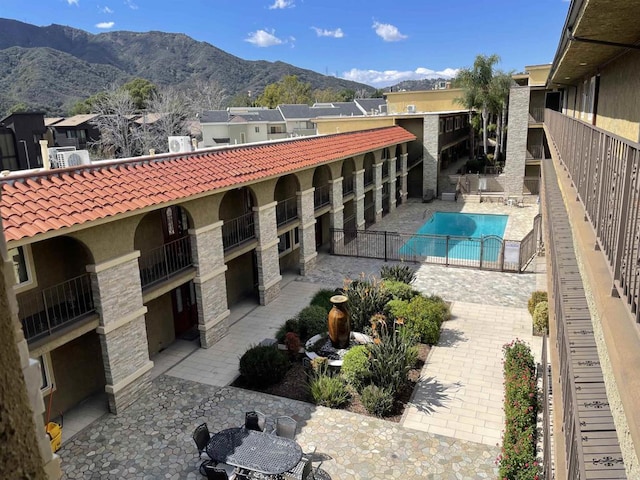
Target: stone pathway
<point>152,439</point>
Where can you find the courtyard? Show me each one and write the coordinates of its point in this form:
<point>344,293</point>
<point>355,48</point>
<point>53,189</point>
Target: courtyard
<point>451,430</point>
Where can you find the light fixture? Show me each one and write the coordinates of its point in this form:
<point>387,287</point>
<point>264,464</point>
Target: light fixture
<point>567,78</point>
<point>582,64</point>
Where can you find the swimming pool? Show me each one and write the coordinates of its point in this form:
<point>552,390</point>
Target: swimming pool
<point>459,235</point>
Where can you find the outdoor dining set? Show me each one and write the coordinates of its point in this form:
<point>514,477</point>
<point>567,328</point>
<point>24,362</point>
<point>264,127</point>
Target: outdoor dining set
<point>261,448</point>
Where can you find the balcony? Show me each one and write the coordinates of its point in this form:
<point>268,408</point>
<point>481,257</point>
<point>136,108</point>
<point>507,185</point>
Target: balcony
<point>535,152</point>
<point>398,165</point>
<point>413,161</point>
<point>536,115</point>
<point>531,186</point>
<point>368,177</point>
<point>321,196</point>
<point>369,215</point>
<point>286,211</point>
<point>385,169</point>
<point>347,185</point>
<point>49,310</point>
<point>237,231</point>
<point>160,264</point>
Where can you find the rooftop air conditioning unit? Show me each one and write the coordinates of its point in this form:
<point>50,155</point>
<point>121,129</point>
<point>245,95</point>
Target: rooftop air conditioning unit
<point>411,109</point>
<point>73,158</point>
<point>180,144</point>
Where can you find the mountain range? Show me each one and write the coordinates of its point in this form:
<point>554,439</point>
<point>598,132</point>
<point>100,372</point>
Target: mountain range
<point>51,68</point>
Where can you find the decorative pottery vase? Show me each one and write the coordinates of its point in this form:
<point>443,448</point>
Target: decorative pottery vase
<point>338,322</point>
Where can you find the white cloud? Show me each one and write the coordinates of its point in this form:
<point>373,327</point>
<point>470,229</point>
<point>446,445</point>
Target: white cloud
<point>278,4</point>
<point>388,32</point>
<point>73,2</point>
<point>385,78</point>
<point>322,32</point>
<point>106,10</point>
<point>105,25</point>
<point>130,4</point>
<point>263,38</point>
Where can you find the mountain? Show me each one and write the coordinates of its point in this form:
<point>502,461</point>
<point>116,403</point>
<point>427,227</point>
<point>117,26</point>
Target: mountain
<point>50,68</point>
<point>414,85</point>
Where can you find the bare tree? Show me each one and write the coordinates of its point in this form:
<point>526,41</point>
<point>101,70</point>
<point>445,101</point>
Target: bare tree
<point>207,95</point>
<point>115,110</point>
<point>167,114</point>
<point>362,93</point>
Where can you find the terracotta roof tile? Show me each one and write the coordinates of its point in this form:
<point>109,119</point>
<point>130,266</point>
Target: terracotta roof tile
<point>56,199</point>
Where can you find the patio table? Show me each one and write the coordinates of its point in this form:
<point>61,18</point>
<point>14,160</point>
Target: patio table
<point>255,451</point>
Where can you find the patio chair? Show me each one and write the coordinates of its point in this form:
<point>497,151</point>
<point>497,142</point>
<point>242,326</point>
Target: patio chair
<point>255,420</point>
<point>286,427</point>
<point>201,436</point>
<point>212,469</point>
<point>214,472</point>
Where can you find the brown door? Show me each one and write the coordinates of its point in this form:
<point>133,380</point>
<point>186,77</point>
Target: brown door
<point>185,312</point>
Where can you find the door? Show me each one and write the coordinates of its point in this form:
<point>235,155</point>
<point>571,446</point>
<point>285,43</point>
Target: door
<point>185,310</point>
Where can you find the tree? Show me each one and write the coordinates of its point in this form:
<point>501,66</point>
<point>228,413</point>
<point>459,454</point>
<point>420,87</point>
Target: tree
<point>115,110</point>
<point>326,95</point>
<point>499,102</point>
<point>141,90</point>
<point>289,90</point>
<point>476,82</point>
<point>207,95</point>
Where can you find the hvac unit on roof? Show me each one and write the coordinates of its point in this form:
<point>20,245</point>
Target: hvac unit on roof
<point>71,158</point>
<point>411,109</point>
<point>180,144</point>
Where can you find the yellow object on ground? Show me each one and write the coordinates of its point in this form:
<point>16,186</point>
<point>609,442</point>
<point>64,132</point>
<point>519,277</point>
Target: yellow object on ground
<point>55,434</point>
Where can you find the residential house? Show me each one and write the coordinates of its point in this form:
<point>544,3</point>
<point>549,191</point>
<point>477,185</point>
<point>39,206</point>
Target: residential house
<point>20,134</point>
<point>238,125</point>
<point>77,131</point>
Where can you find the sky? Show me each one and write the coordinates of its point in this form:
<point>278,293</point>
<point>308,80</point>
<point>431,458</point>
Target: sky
<point>376,42</point>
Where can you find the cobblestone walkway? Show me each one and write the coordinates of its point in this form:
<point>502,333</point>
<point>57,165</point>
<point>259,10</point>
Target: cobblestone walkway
<point>152,439</point>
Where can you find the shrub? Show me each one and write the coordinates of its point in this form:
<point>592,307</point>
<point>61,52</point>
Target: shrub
<point>312,320</point>
<point>422,315</point>
<point>355,366</point>
<point>263,365</point>
<point>378,401</point>
<point>399,290</point>
<point>442,306</point>
<point>400,273</point>
<point>321,299</point>
<point>366,298</point>
<point>536,297</point>
<point>518,457</point>
<point>392,356</point>
<point>541,318</point>
<point>290,325</point>
<point>328,391</point>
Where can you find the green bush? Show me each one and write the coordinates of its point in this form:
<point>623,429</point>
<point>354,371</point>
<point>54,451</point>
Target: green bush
<point>422,315</point>
<point>263,365</point>
<point>378,401</point>
<point>399,290</point>
<point>366,298</point>
<point>541,318</point>
<point>290,325</point>
<point>518,457</point>
<point>328,391</point>
<point>400,273</point>
<point>442,306</point>
<point>355,366</point>
<point>312,320</point>
<point>392,356</point>
<point>536,297</point>
<point>321,299</point>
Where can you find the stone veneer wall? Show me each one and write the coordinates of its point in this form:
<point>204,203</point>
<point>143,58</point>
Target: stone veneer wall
<point>210,284</point>
<point>358,190</point>
<point>336,214</point>
<point>430,154</point>
<point>403,177</point>
<point>267,252</point>
<point>377,190</point>
<point>306,210</point>
<point>117,294</point>
<point>393,183</point>
<point>25,451</point>
<point>517,130</point>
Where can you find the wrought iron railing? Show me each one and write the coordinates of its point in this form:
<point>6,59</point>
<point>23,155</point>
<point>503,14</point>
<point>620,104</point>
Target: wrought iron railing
<point>536,114</point>
<point>48,310</point>
<point>286,211</point>
<point>347,185</point>
<point>368,177</point>
<point>385,169</point>
<point>535,152</point>
<point>398,165</point>
<point>369,214</point>
<point>161,263</point>
<point>531,185</point>
<point>413,161</point>
<point>237,231</point>
<point>321,196</point>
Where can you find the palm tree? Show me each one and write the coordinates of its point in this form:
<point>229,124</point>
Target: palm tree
<point>498,105</point>
<point>476,82</point>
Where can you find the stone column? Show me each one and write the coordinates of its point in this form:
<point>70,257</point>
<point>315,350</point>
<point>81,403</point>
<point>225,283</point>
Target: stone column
<point>517,130</point>
<point>392,184</point>
<point>403,177</point>
<point>306,209</point>
<point>430,154</point>
<point>377,191</point>
<point>336,214</point>
<point>358,190</point>
<point>210,283</point>
<point>117,294</point>
<point>267,252</point>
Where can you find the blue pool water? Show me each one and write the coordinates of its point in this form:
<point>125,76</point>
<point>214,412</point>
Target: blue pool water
<point>466,232</point>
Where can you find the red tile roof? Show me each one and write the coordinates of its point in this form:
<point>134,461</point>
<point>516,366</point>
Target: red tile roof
<point>56,199</point>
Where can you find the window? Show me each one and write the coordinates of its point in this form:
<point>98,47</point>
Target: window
<point>288,241</point>
<point>257,129</point>
<point>441,126</point>
<point>449,124</point>
<point>21,258</point>
<point>458,122</point>
<point>46,386</point>
<point>170,227</point>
